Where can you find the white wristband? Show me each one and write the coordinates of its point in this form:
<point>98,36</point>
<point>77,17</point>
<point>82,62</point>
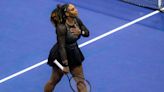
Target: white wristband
<point>82,32</point>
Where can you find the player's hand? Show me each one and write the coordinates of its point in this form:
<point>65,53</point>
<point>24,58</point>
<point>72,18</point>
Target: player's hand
<point>66,69</point>
<point>75,31</point>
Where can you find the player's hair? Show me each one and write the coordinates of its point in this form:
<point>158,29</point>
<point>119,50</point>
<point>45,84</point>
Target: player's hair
<point>59,11</point>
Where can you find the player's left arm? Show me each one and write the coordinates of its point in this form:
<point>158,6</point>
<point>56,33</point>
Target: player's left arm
<point>84,30</point>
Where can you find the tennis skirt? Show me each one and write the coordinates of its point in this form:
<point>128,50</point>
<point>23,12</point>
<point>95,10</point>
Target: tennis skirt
<point>74,55</point>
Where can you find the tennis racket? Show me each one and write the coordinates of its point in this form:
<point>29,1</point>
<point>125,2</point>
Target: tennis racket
<point>76,82</point>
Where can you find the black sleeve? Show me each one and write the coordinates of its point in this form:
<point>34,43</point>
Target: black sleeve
<point>84,30</point>
<point>61,33</point>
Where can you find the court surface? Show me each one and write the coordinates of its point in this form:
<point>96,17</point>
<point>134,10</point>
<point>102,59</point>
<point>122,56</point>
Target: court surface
<point>129,60</point>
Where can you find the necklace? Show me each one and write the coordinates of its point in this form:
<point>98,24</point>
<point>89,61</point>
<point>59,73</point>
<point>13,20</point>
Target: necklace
<point>69,23</point>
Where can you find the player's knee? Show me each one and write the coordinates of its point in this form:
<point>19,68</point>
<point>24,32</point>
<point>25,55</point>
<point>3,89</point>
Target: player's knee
<point>81,85</point>
<point>50,82</point>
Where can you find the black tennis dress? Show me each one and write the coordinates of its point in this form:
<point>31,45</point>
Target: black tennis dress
<point>66,47</point>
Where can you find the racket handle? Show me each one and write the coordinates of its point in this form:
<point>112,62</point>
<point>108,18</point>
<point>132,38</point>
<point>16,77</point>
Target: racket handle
<point>58,64</point>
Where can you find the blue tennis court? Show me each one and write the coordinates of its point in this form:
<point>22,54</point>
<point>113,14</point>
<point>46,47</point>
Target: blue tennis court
<point>129,60</point>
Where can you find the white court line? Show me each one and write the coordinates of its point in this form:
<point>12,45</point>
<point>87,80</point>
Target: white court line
<point>84,44</point>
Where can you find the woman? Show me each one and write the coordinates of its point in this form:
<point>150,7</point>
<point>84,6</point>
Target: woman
<point>69,28</point>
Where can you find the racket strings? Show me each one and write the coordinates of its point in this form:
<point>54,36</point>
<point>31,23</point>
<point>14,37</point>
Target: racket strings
<point>78,84</point>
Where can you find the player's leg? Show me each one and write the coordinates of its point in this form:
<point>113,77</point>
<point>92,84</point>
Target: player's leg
<point>78,71</point>
<point>55,78</point>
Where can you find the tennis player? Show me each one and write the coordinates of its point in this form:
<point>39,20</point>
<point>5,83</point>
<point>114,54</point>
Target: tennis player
<point>69,28</point>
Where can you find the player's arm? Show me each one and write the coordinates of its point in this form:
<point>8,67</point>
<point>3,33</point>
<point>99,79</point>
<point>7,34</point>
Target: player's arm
<point>61,32</point>
<point>84,30</point>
